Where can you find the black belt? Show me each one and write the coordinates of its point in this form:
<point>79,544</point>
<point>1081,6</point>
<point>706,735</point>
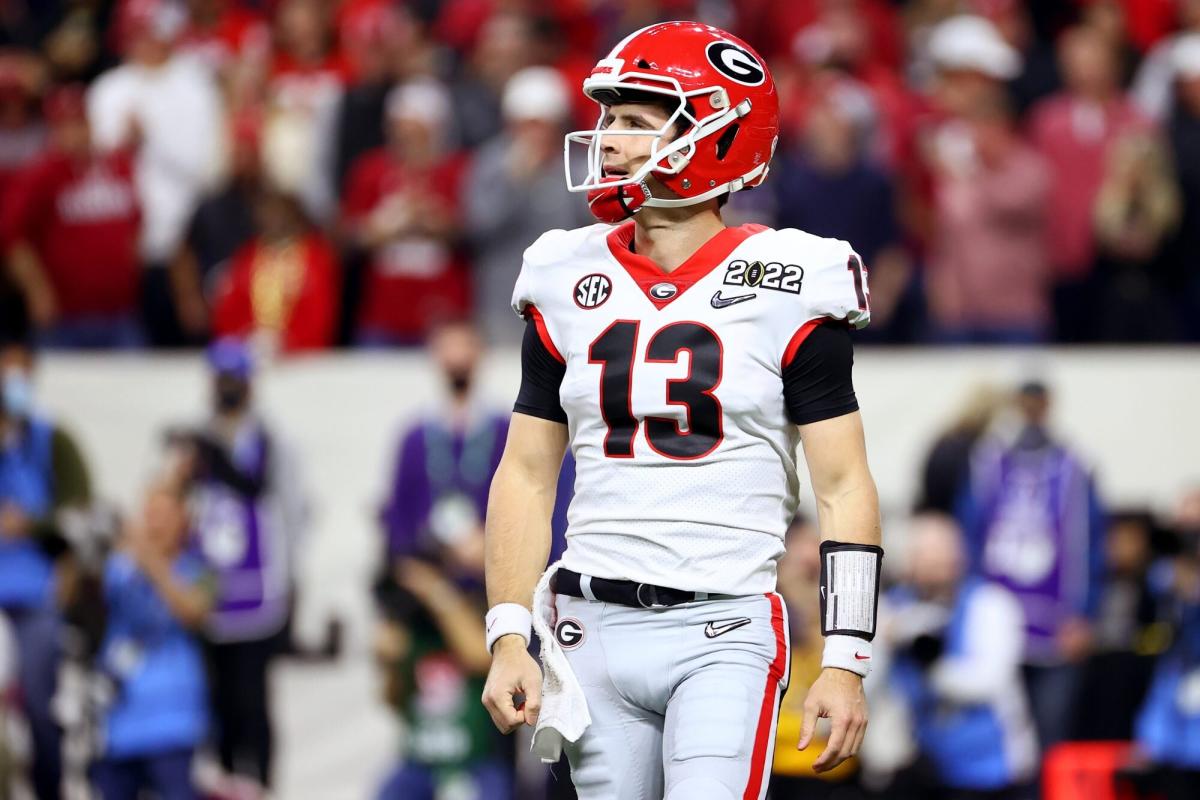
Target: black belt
<point>625,593</point>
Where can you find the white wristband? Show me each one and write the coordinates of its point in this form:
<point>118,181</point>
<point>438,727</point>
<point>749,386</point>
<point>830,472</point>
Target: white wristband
<point>847,652</point>
<point>506,618</point>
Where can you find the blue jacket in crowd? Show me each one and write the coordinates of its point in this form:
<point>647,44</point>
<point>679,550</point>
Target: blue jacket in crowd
<point>26,470</point>
<point>161,702</point>
<point>967,708</point>
<point>1168,727</point>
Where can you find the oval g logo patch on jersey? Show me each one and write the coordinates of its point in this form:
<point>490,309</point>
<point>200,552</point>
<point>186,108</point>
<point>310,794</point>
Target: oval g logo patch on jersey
<point>735,63</point>
<point>569,633</point>
<point>592,290</point>
<point>663,291</point>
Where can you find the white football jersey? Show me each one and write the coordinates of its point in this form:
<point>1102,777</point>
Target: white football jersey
<point>685,457</point>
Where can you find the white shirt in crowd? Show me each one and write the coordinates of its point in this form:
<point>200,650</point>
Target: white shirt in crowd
<point>177,109</point>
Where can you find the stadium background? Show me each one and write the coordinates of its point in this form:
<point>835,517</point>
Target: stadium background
<point>1084,116</point>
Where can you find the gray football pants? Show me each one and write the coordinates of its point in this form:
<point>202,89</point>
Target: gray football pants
<point>683,700</point>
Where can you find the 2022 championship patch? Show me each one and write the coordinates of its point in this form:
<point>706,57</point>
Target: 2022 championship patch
<point>772,275</point>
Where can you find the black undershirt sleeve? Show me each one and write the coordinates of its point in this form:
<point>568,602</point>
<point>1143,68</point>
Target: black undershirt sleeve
<point>541,377</point>
<point>817,384</point>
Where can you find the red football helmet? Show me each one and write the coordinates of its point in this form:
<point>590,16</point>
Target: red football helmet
<point>725,97</point>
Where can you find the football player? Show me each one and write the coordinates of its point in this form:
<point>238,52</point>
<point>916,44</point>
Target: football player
<point>682,361</point>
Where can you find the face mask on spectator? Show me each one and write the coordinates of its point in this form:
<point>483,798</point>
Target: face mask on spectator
<point>460,381</point>
<point>231,396</point>
<point>17,394</point>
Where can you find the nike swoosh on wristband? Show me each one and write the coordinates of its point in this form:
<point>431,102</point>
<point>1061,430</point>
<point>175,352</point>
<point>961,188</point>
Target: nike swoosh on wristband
<point>722,626</point>
<point>861,657</point>
<point>721,302</point>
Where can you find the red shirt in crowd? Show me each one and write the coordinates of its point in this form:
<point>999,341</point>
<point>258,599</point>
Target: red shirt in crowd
<point>290,289</point>
<point>239,33</point>
<point>771,27</point>
<point>289,76</point>
<point>459,22</point>
<point>1147,21</point>
<point>987,267</point>
<point>414,280</point>
<point>19,146</point>
<point>1074,137</point>
<point>83,220</point>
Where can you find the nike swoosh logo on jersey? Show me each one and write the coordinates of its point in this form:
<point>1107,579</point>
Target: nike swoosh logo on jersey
<point>722,302</point>
<point>722,626</point>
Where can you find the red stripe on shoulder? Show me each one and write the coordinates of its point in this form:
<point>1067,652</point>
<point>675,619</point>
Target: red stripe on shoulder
<point>532,312</point>
<point>798,338</point>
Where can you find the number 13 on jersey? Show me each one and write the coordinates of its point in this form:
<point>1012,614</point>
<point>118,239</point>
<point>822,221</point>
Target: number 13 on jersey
<point>615,350</point>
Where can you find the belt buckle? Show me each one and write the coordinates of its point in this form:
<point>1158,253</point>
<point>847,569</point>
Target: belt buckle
<point>653,595</point>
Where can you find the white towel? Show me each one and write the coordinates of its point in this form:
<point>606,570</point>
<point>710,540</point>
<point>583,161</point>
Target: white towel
<point>564,715</point>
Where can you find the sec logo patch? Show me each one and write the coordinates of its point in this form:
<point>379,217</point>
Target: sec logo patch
<point>569,633</point>
<point>592,291</point>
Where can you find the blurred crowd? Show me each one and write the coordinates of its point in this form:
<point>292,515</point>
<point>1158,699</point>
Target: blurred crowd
<point>318,173</point>
<point>1031,639</point>
<point>129,641</point>
<point>285,176</point>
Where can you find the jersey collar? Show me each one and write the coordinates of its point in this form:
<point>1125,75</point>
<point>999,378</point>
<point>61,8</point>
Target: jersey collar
<point>646,273</point>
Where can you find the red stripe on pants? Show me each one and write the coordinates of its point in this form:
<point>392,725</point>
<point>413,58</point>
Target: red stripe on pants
<point>766,715</point>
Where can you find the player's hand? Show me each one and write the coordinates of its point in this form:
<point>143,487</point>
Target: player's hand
<point>838,695</point>
<point>514,673</point>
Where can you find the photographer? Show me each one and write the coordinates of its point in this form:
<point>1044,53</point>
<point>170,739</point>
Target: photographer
<point>431,641</point>
<point>248,513</point>
<point>434,669</point>
<point>42,475</point>
<point>156,594</point>
<point>1168,728</point>
<point>1034,522</point>
<point>957,645</point>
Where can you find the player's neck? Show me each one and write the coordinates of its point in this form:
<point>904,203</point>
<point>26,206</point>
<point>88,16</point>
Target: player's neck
<point>669,236</point>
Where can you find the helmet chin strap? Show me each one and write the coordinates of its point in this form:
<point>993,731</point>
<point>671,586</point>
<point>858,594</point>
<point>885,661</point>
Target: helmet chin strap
<point>735,185</point>
<point>682,202</point>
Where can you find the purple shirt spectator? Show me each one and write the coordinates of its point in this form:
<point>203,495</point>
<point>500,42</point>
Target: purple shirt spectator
<point>442,478</point>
